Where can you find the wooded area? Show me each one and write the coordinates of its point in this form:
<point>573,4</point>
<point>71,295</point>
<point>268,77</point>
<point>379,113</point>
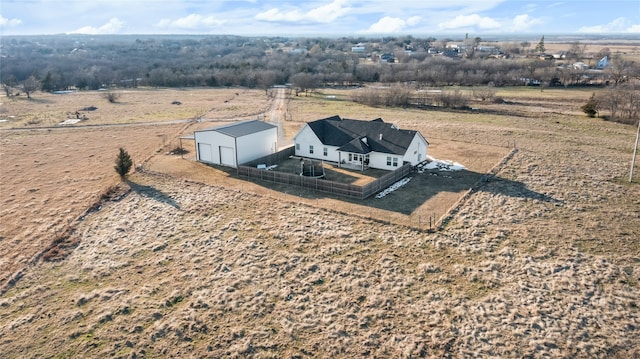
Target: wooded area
<point>82,62</point>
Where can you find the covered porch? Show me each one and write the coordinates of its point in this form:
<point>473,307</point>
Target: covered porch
<point>354,161</point>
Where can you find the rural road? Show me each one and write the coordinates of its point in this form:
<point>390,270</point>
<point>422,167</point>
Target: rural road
<point>276,115</point>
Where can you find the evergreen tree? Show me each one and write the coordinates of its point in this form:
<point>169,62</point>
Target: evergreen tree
<point>591,107</point>
<point>540,47</point>
<point>47,83</point>
<point>123,163</point>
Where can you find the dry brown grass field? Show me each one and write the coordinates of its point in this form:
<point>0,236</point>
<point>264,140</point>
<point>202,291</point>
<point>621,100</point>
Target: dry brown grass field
<point>629,48</point>
<point>186,260</point>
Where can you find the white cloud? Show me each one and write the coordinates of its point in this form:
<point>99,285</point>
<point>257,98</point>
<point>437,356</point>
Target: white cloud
<point>193,21</point>
<point>524,22</point>
<point>414,20</point>
<point>390,24</point>
<point>322,14</point>
<point>113,26</point>
<point>520,23</point>
<point>473,20</point>
<point>9,22</point>
<point>620,25</point>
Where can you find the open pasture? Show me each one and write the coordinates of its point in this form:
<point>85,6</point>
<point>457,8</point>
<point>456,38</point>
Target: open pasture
<point>543,260</point>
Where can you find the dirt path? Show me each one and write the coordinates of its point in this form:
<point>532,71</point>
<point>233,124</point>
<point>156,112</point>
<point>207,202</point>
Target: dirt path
<point>277,115</point>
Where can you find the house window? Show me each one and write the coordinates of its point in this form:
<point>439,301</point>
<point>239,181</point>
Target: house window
<point>388,160</point>
<point>350,157</point>
<point>325,151</point>
<point>297,147</point>
<point>395,162</point>
<point>311,149</point>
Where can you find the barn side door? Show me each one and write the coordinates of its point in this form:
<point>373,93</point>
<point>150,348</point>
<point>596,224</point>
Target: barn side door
<point>226,156</point>
<point>204,150</point>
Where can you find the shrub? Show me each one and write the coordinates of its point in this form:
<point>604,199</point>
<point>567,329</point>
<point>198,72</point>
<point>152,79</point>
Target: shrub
<point>484,93</point>
<point>453,99</point>
<point>395,96</point>
<point>591,107</point>
<point>123,163</point>
<point>111,96</point>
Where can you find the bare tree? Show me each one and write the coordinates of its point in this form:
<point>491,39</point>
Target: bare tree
<point>622,102</point>
<point>619,69</point>
<point>605,51</point>
<point>7,89</point>
<point>8,83</point>
<point>576,51</point>
<point>266,79</point>
<point>304,82</point>
<point>484,93</point>
<point>30,85</point>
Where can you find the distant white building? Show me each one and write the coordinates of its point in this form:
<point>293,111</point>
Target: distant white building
<point>487,49</point>
<point>359,48</point>
<point>580,66</point>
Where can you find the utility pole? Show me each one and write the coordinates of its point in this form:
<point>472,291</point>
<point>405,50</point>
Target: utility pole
<point>635,150</point>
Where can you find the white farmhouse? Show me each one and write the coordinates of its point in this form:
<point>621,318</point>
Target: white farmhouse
<point>360,144</point>
<point>237,143</point>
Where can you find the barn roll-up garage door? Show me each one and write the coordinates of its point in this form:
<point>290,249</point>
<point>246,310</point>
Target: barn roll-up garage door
<point>204,149</point>
<point>226,156</point>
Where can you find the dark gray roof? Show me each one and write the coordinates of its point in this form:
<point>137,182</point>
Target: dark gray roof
<point>240,129</point>
<point>362,136</point>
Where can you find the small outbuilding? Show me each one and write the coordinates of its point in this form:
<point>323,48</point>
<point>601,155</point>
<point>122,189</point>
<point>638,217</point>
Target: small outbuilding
<point>237,143</point>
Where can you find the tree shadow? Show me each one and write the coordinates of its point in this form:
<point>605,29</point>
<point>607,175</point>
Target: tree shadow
<point>36,100</point>
<point>153,193</point>
<point>515,189</point>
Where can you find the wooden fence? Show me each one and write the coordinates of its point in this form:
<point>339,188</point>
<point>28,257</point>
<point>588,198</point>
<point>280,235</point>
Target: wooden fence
<point>249,170</point>
<point>386,180</point>
<point>273,158</point>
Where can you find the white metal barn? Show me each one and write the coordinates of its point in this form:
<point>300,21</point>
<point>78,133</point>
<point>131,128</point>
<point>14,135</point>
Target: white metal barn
<point>237,143</point>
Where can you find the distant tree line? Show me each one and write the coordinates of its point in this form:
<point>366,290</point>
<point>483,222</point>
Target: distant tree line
<point>54,63</point>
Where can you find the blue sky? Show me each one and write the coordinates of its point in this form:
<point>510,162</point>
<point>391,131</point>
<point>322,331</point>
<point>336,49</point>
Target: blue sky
<point>319,17</point>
